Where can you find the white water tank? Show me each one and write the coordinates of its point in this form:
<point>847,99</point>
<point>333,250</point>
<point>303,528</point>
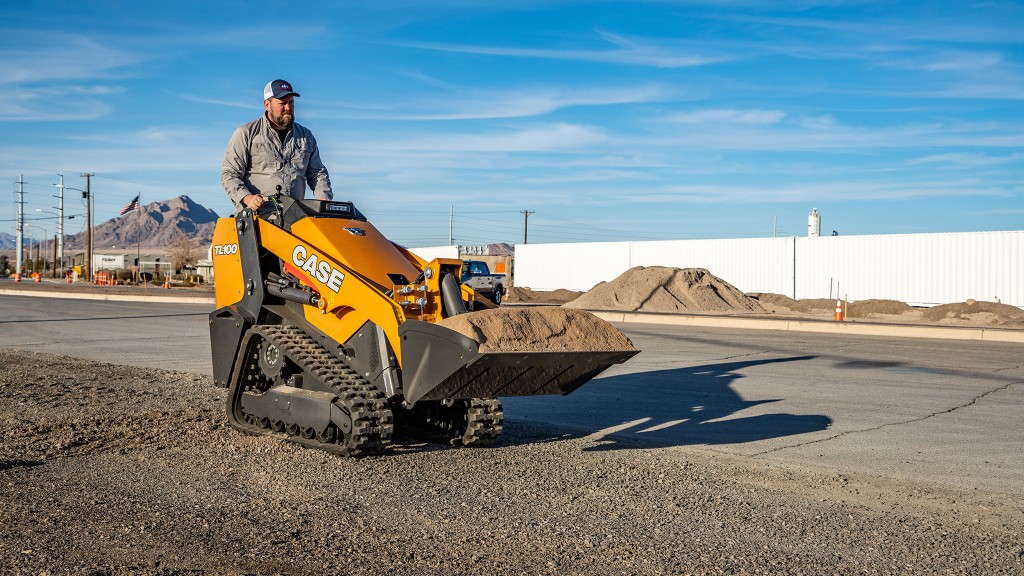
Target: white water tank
<point>814,224</point>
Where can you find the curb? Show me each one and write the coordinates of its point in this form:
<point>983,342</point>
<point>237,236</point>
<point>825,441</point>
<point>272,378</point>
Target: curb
<point>818,326</point>
<point>109,297</point>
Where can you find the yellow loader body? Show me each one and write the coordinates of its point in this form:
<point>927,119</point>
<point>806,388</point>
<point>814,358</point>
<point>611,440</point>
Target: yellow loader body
<point>326,333</point>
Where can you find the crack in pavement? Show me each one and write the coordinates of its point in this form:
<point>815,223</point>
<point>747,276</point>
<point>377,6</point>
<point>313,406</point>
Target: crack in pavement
<point>724,358</point>
<point>1017,367</point>
<point>911,421</point>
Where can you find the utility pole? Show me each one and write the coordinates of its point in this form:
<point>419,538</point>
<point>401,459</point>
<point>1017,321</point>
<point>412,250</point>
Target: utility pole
<point>451,223</point>
<point>60,226</point>
<point>88,223</point>
<point>526,217</point>
<point>21,223</point>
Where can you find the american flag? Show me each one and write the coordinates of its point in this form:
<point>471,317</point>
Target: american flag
<point>130,206</point>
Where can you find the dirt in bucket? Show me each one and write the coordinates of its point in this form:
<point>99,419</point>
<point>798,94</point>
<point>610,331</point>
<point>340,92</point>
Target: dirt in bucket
<point>538,329</point>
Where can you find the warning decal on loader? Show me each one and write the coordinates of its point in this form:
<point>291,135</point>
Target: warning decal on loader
<point>322,270</point>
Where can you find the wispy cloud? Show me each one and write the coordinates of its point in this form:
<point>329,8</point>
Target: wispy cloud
<point>972,26</point>
<point>622,50</point>
<point>961,160</point>
<point>780,131</point>
<point>719,115</point>
<point>958,61</point>
<point>1004,212</point>
<point>467,104</point>
<point>219,102</point>
<point>819,192</point>
<point>59,77</point>
<point>61,57</point>
<point>543,138</point>
<point>57,103</point>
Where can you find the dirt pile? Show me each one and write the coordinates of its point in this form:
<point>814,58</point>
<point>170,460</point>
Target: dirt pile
<point>814,306</point>
<point>661,289</point>
<point>781,303</point>
<point>975,312</point>
<point>527,296</point>
<point>537,329</point>
<point>772,301</point>
<point>969,313</point>
<point>869,308</point>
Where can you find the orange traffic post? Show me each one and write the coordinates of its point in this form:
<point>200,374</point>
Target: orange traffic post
<point>839,310</point>
<point>167,282</point>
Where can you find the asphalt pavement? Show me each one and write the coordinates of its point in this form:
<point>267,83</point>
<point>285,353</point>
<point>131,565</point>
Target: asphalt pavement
<point>932,410</point>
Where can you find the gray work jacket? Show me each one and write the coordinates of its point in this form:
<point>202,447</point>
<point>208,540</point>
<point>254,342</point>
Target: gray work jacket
<point>257,162</point>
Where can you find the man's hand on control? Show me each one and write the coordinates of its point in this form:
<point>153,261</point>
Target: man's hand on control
<point>253,201</point>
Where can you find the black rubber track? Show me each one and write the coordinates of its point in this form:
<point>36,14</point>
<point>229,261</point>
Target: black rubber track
<point>372,420</point>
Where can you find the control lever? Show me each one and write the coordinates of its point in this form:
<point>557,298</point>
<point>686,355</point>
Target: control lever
<point>276,207</point>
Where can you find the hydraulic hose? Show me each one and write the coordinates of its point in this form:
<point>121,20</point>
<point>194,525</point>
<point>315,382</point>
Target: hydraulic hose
<point>451,296</point>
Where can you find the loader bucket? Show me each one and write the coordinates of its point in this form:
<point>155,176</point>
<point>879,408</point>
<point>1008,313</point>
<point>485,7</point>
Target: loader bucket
<point>438,364</point>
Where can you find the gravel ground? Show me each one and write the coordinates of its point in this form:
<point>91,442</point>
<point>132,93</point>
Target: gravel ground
<point>111,470</point>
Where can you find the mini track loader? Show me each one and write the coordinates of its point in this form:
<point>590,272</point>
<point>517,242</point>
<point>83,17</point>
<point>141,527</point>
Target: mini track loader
<point>325,334</point>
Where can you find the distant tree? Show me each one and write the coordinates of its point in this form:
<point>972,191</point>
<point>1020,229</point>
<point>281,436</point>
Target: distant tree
<point>5,265</point>
<point>182,251</point>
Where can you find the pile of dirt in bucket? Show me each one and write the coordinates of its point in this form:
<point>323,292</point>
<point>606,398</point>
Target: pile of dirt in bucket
<point>528,296</point>
<point>974,312</point>
<point>538,329</point>
<point>662,289</point>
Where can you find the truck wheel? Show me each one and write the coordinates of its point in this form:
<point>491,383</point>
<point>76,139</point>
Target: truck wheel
<point>499,294</point>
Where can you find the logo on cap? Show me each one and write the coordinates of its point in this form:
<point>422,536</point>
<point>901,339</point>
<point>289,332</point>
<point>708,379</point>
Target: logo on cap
<point>278,89</point>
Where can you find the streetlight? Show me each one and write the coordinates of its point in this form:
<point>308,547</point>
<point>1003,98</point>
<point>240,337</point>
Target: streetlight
<point>29,235</point>
<point>38,241</point>
<point>59,257</point>
<point>60,234</point>
<point>88,210</point>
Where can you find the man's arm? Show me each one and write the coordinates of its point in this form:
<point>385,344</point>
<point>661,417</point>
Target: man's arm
<point>316,174</point>
<point>237,160</point>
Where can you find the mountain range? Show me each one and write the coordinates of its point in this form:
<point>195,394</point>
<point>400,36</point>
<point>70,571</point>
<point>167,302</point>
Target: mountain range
<point>156,225</point>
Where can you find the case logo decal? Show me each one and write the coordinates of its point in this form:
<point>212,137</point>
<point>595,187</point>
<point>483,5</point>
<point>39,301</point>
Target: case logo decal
<point>319,269</point>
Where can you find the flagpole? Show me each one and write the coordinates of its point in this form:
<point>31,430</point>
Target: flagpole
<point>138,250</point>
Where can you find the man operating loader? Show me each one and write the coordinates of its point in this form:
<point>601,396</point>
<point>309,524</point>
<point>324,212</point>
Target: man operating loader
<point>273,154</point>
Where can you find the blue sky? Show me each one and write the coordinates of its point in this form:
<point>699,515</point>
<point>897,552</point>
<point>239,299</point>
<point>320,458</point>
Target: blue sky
<point>610,121</point>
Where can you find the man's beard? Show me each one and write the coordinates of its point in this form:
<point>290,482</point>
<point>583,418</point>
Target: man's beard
<point>283,121</point>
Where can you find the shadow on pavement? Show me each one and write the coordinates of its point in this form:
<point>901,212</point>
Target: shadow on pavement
<point>677,407</point>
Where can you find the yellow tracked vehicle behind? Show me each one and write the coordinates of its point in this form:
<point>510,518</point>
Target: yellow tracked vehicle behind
<point>326,334</point>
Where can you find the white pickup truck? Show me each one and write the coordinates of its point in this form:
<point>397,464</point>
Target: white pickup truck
<point>477,276</point>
